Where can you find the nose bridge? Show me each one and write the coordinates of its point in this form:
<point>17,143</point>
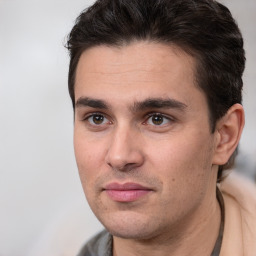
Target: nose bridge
<point>124,148</point>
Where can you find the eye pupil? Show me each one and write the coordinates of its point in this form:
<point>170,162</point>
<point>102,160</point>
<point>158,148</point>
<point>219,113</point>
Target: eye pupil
<point>157,120</point>
<point>98,119</point>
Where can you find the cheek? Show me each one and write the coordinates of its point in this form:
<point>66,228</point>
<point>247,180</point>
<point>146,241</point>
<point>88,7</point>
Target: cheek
<point>88,156</point>
<point>183,160</point>
<point>87,163</point>
<point>185,170</point>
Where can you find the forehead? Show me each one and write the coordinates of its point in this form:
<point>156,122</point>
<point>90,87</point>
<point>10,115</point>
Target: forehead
<point>135,51</point>
<point>143,56</point>
<point>141,69</point>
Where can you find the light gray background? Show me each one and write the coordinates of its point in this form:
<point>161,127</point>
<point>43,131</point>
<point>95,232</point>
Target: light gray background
<point>39,182</point>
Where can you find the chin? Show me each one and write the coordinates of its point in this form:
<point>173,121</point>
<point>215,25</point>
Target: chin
<point>134,233</point>
<point>130,226</point>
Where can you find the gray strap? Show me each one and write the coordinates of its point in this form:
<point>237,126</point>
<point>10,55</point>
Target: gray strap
<point>217,247</point>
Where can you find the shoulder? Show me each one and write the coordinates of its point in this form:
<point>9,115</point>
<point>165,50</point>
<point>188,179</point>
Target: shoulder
<point>240,216</point>
<point>99,245</point>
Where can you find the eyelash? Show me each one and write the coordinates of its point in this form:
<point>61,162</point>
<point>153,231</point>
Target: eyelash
<point>165,119</point>
<point>155,114</point>
<point>94,115</point>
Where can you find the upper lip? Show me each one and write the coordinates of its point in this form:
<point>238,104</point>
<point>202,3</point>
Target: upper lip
<point>125,186</point>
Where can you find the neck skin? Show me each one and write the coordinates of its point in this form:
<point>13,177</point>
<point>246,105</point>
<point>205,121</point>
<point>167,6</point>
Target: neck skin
<point>195,236</point>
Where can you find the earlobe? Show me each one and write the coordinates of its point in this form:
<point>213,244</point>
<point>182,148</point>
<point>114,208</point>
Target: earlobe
<point>228,133</point>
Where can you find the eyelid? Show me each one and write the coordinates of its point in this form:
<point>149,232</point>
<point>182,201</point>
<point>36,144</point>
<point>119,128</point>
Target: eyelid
<point>171,118</point>
<point>91,114</point>
<point>146,118</point>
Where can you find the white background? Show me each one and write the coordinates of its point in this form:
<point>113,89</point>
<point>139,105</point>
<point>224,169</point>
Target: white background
<point>39,183</point>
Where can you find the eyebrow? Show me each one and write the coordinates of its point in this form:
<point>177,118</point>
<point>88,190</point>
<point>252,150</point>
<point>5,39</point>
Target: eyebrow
<point>158,103</point>
<point>93,103</point>
<point>150,103</point>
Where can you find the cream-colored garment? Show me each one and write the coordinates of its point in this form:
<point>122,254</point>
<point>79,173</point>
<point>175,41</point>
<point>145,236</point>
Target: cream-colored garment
<point>239,237</point>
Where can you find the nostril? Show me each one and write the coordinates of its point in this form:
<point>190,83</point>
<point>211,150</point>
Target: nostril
<point>125,168</point>
<point>125,164</point>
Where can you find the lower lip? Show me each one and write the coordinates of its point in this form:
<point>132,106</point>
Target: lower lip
<point>126,195</point>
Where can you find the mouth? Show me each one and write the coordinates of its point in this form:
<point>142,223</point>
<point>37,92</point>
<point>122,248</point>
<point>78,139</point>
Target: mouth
<point>127,192</point>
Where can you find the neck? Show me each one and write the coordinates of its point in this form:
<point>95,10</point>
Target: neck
<point>194,236</point>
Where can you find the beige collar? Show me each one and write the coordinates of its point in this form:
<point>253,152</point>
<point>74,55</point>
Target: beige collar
<point>239,237</point>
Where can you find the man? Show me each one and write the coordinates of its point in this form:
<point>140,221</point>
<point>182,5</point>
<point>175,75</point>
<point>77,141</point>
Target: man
<point>156,90</point>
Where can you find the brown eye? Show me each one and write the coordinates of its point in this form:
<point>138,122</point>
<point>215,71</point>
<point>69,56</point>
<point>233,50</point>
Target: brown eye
<point>97,119</point>
<point>157,120</point>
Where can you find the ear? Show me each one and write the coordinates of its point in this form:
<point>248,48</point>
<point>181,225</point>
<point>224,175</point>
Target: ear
<point>228,132</point>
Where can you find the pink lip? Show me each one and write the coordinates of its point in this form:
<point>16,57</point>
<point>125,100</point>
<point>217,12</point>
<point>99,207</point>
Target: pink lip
<point>127,192</point>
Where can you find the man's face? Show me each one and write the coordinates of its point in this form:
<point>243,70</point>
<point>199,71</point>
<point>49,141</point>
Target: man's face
<point>142,139</point>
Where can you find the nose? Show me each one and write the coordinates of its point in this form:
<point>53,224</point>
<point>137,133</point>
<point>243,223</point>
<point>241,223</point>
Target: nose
<point>125,151</point>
